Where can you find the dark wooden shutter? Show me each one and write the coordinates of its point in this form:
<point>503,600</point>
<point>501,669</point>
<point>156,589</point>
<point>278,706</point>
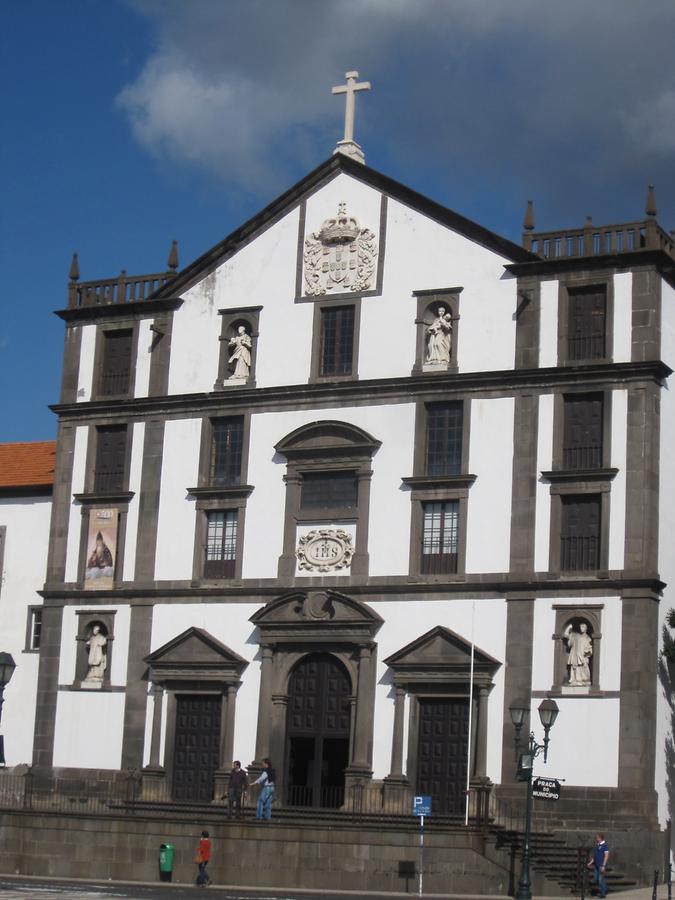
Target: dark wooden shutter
<point>226,451</point>
<point>329,490</point>
<point>444,438</point>
<point>116,371</point>
<point>111,448</point>
<point>582,441</point>
<point>580,533</point>
<point>337,340</point>
<point>587,310</point>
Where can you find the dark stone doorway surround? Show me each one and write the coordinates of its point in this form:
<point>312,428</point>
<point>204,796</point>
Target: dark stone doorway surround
<point>295,629</point>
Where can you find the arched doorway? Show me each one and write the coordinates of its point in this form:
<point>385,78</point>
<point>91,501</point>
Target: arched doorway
<point>317,732</point>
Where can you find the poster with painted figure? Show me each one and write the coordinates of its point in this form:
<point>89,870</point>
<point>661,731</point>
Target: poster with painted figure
<point>101,549</point>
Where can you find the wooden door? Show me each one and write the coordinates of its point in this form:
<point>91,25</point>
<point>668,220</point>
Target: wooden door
<point>442,752</point>
<point>197,747</point>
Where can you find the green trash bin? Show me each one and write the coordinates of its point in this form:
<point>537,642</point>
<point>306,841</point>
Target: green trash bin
<point>166,854</point>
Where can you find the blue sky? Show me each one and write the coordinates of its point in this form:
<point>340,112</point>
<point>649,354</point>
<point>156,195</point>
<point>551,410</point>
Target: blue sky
<point>132,122</point>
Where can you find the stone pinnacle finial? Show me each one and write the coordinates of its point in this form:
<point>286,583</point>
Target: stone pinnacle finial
<point>348,145</point>
<point>650,206</point>
<point>74,272</point>
<point>528,222</point>
<point>172,262</point>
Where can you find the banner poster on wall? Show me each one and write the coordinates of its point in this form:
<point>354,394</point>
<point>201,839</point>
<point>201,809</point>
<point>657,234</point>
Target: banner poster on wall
<point>101,549</point>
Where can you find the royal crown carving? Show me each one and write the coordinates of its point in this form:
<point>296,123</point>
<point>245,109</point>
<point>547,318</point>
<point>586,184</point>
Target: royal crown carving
<point>340,256</point>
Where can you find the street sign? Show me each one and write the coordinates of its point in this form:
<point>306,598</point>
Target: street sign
<point>546,788</point>
<point>421,806</point>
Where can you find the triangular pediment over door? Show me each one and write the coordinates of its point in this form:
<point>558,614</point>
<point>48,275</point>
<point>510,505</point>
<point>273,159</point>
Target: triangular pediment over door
<point>195,654</point>
<point>441,656</point>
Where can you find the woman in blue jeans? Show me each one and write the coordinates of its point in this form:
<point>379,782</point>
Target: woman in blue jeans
<point>267,780</point>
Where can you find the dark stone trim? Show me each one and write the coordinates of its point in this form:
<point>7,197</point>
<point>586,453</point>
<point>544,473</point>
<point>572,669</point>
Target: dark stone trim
<point>423,483</point>
<point>46,695</point>
<point>372,588</point>
<point>148,501</point>
<point>27,490</point>
<point>105,689</point>
<point>135,705</point>
<point>162,328</point>
<point>140,309</point>
<point>438,292</point>
<point>72,349</point>
<point>230,321</point>
<point>642,480</point>
<point>618,262</point>
<point>593,694</point>
<point>517,674</point>
<point>646,315</point>
<point>222,493</point>
<point>439,388</point>
<point>528,322</point>
<point>524,482</point>
<point>566,476</point>
<point>100,499</point>
<point>61,503</point>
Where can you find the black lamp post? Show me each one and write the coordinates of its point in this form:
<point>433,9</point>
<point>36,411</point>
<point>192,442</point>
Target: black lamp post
<point>548,712</point>
<point>7,666</point>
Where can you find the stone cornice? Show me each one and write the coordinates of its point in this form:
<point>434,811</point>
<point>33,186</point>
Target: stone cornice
<point>384,389</point>
<point>659,259</point>
<point>140,309</point>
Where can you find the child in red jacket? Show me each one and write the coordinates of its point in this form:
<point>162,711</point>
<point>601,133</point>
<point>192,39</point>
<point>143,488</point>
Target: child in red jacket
<point>202,859</point>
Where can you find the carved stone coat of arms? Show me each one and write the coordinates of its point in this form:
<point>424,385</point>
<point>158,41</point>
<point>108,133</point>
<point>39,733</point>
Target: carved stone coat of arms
<point>340,257</point>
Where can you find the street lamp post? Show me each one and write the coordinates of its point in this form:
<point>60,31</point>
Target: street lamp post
<point>548,712</point>
<point>7,666</point>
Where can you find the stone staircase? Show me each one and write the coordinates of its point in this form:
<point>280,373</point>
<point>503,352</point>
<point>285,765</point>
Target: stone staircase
<point>556,862</point>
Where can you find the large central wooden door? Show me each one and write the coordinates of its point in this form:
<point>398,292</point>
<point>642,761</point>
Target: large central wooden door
<point>197,746</point>
<point>317,732</point>
<point>442,752</point>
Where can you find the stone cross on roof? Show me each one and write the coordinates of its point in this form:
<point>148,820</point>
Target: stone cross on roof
<point>348,145</point>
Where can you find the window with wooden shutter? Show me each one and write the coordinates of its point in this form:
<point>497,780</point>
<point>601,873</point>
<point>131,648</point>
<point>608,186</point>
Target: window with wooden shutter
<point>337,340</point>
<point>580,533</point>
<point>116,369</point>
<point>329,490</point>
<point>221,544</point>
<point>439,537</point>
<point>582,439</point>
<point>226,450</point>
<point>587,322</point>
<point>444,438</point>
<point>111,450</point>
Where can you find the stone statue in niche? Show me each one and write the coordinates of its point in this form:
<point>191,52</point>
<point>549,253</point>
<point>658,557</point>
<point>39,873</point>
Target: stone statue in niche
<point>97,658</point>
<point>240,355</point>
<point>439,340</point>
<point>580,650</point>
<point>339,257</point>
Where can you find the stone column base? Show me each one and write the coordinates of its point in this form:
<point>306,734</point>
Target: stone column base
<point>221,779</point>
<point>154,785</point>
<point>397,795</point>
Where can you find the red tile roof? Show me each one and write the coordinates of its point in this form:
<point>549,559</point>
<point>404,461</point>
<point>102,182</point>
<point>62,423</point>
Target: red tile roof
<point>27,464</point>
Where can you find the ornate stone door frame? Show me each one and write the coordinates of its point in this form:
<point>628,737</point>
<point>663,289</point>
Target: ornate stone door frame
<point>194,662</point>
<point>304,622</point>
<point>438,664</point>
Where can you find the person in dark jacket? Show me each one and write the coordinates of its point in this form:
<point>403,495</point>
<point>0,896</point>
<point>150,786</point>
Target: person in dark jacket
<point>267,781</point>
<point>236,789</point>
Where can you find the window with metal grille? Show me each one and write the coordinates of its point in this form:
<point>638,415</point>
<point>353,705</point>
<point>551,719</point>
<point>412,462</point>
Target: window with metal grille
<point>586,326</point>
<point>439,537</point>
<point>226,450</point>
<point>337,340</point>
<point>582,439</point>
<point>444,438</point>
<point>111,450</point>
<point>334,490</point>
<point>35,627</point>
<point>580,533</point>
<point>116,369</point>
<point>221,544</point>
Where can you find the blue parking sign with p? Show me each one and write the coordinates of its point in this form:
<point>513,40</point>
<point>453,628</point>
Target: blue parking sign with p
<point>421,805</point>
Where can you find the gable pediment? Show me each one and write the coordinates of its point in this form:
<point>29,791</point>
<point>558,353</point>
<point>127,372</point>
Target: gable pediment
<point>195,652</point>
<point>327,615</point>
<point>441,652</point>
<point>328,435</point>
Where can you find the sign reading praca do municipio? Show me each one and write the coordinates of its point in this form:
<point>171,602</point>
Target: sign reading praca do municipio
<point>546,788</point>
<point>421,806</point>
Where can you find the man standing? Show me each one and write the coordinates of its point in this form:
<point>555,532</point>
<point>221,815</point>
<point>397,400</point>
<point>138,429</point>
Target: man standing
<point>267,780</point>
<point>599,862</point>
<point>236,789</point>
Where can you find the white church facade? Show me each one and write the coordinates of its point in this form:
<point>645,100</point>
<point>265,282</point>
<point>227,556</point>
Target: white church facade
<point>345,489</point>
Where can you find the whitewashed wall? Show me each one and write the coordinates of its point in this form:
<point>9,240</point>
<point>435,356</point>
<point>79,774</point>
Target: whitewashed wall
<point>135,470</point>
<point>548,324</point>
<point>489,510</point>
<point>623,316</point>
<point>85,378</point>
<point>23,574</point>
<point>143,358</point>
<point>569,757</point>
<point>665,722</point>
<point>229,624</point>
